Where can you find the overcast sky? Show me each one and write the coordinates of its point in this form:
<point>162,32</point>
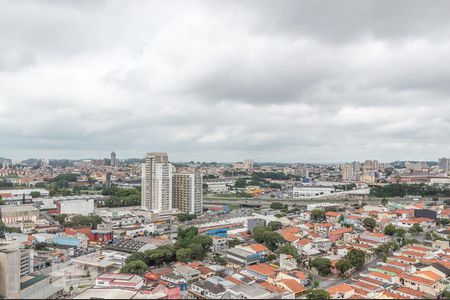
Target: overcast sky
<point>303,81</point>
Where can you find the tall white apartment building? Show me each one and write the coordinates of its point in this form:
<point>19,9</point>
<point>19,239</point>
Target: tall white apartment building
<point>157,182</point>
<point>113,159</point>
<point>347,172</point>
<point>444,164</point>
<point>188,192</point>
<point>249,165</point>
<point>356,166</point>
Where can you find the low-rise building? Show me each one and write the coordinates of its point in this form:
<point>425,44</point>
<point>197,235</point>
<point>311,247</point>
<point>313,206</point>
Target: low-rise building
<point>237,258</point>
<point>188,273</point>
<point>120,280</point>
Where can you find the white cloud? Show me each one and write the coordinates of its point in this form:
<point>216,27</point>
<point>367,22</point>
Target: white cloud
<point>224,81</point>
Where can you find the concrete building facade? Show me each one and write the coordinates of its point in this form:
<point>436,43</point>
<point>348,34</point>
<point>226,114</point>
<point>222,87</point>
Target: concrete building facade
<point>187,193</point>
<point>9,270</point>
<point>157,182</point>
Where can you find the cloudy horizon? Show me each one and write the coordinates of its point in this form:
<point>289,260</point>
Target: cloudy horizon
<point>286,81</point>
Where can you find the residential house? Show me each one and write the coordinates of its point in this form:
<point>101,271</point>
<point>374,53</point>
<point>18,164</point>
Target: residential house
<point>260,271</point>
<point>341,291</point>
<point>332,216</point>
<point>338,234</point>
<point>188,273</point>
<point>204,289</point>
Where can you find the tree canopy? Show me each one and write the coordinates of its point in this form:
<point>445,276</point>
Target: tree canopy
<point>266,236</point>
<point>274,225</point>
<point>343,265</point>
<point>415,229</point>
<point>276,205</point>
<point>369,223</point>
<point>318,215</point>
<point>137,267</point>
<point>356,257</point>
<point>322,265</point>
<point>390,229</point>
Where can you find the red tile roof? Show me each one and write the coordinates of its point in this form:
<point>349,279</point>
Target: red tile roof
<point>303,242</point>
<point>332,214</point>
<point>418,279</point>
<point>271,287</point>
<point>340,288</point>
<point>380,275</point>
<point>293,285</point>
<point>264,269</point>
<point>258,247</point>
<point>341,231</point>
<point>409,291</point>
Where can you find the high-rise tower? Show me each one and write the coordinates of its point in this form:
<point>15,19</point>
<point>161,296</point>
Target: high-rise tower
<point>156,182</point>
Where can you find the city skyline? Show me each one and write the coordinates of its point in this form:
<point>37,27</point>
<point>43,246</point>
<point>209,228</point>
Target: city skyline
<point>242,160</point>
<point>212,81</point>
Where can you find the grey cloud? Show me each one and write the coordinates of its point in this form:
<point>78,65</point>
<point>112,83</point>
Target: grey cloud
<point>291,81</point>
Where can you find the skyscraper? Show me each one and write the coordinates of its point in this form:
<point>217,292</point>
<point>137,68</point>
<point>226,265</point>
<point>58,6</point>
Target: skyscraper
<point>356,166</point>
<point>108,181</point>
<point>113,159</point>
<point>249,165</point>
<point>156,182</point>
<point>188,193</point>
<point>347,172</point>
<point>443,164</point>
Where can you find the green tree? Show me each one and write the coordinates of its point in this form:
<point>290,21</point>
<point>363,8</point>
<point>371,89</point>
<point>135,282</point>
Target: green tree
<point>182,217</point>
<point>272,240</point>
<point>40,246</point>
<point>258,233</point>
<point>137,256</point>
<point>271,257</point>
<point>390,229</point>
<point>317,294</point>
<point>322,265</point>
<point>233,243</point>
<point>160,255</point>
<point>445,295</point>
<point>80,220</point>
<point>356,257</point>
<point>289,249</point>
<point>197,251</point>
<point>184,255</point>
<point>343,265</point>
<point>220,260</point>
<point>415,229</point>
<point>369,223</point>
<point>444,222</point>
<point>35,194</point>
<point>276,205</point>
<point>60,218</point>
<point>383,249</point>
<point>137,267</point>
<point>447,202</point>
<point>240,183</point>
<point>318,215</point>
<point>384,202</point>
<point>203,240</point>
<point>400,232</point>
<point>274,185</point>
<point>274,225</point>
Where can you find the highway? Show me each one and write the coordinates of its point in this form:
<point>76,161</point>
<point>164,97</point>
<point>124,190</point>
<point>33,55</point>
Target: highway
<point>266,202</point>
